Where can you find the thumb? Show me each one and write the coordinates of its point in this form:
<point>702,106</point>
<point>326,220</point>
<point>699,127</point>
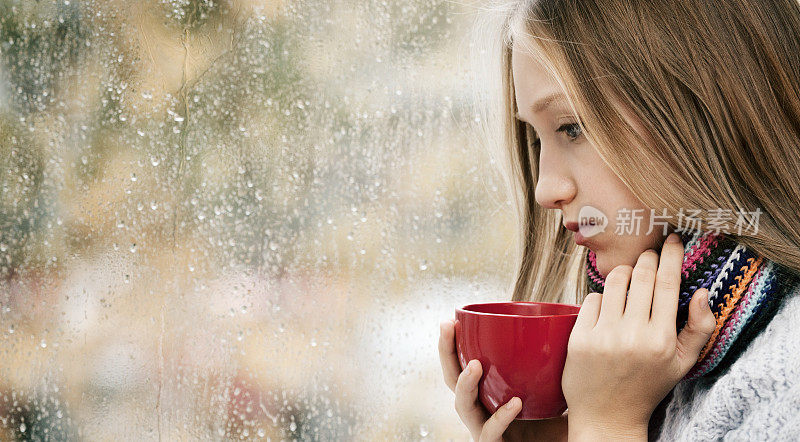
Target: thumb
<point>699,327</point>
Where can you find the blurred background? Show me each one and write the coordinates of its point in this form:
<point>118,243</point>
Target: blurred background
<point>238,219</point>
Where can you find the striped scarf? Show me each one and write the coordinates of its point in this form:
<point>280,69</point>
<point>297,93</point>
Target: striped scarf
<point>745,290</point>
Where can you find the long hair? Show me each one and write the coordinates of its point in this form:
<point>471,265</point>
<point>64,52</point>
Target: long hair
<point>693,104</point>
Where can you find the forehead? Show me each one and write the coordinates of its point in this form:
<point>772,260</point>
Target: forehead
<point>534,85</point>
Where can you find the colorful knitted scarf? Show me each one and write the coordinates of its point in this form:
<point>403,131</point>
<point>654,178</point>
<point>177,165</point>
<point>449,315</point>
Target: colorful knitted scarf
<point>745,290</point>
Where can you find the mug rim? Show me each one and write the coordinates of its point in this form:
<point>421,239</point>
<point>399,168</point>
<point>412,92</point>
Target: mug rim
<point>463,309</point>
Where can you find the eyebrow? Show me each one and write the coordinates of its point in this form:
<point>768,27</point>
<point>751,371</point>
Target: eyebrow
<point>545,102</point>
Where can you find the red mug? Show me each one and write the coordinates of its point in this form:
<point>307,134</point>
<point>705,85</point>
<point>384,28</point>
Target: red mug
<point>522,347</point>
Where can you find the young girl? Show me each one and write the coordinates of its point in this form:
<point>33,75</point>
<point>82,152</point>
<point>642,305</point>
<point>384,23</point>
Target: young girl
<point>675,127</point>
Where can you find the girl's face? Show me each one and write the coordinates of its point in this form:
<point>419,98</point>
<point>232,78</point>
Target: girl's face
<point>573,177</point>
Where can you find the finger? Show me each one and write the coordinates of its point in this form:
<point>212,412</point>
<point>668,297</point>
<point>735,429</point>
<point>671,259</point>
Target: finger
<point>700,325</point>
<point>668,283</point>
<point>614,293</point>
<point>643,278</point>
<point>587,315</point>
<point>494,428</point>
<point>468,408</point>
<point>447,354</point>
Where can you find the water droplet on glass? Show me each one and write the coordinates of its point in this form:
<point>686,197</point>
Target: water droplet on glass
<point>133,248</point>
<point>423,265</point>
<point>22,427</point>
<point>43,344</point>
<point>423,431</point>
<point>292,427</point>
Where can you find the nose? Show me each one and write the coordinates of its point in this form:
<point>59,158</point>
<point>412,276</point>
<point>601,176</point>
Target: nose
<point>555,186</point>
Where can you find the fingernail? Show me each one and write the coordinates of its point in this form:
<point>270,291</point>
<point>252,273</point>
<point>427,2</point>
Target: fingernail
<point>468,368</point>
<point>513,402</point>
<point>673,238</point>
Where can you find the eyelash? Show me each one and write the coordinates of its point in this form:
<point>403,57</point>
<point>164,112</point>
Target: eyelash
<point>564,127</point>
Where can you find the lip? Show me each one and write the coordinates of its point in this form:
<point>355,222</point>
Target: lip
<point>571,225</point>
<point>580,239</point>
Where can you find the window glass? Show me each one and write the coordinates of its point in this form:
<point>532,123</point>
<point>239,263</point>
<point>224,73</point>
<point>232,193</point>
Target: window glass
<point>238,219</point>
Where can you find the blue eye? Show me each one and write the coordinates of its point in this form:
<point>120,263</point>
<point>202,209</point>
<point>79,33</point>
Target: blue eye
<point>570,129</point>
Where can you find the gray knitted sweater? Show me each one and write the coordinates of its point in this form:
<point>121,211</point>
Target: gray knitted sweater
<point>757,399</point>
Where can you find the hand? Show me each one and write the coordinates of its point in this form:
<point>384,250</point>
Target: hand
<point>500,426</point>
<point>624,355</point>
